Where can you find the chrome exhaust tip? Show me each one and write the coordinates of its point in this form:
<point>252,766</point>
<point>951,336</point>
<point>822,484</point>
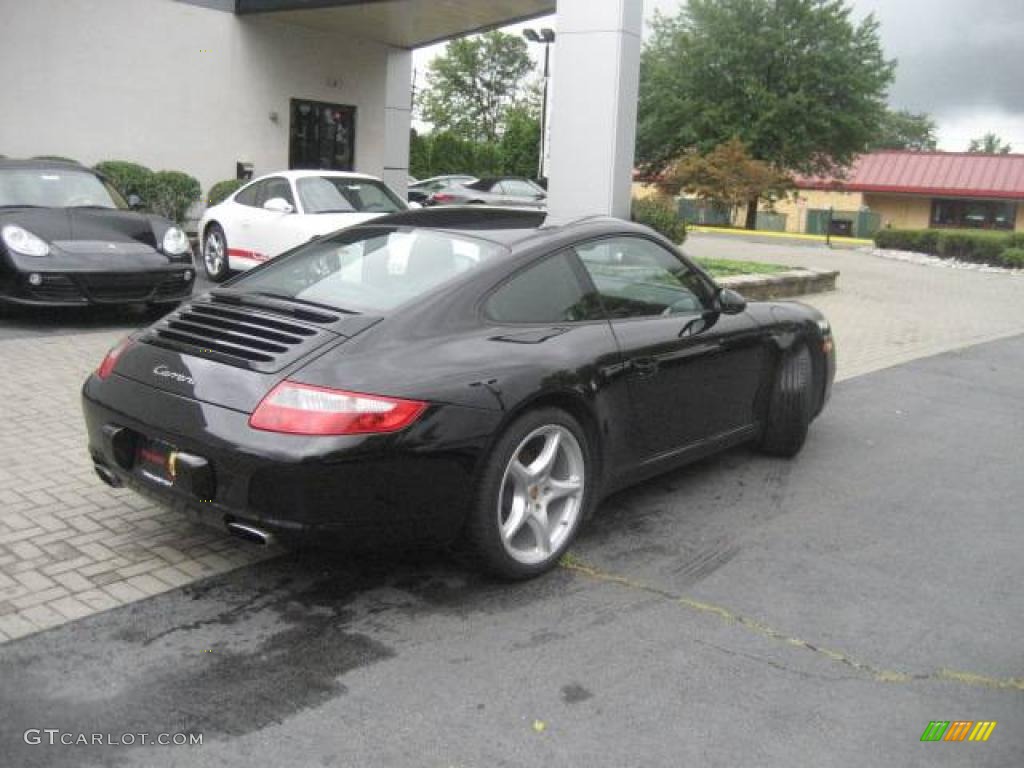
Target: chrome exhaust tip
<point>251,534</point>
<point>107,476</point>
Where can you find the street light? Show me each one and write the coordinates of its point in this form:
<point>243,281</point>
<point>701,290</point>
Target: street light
<point>545,37</point>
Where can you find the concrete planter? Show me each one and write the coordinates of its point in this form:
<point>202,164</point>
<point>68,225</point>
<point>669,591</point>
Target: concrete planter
<point>782,285</point>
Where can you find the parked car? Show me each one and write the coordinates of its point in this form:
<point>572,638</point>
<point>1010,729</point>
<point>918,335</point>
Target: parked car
<point>421,190</point>
<point>474,375</point>
<point>505,190</point>
<point>279,211</point>
<point>67,237</point>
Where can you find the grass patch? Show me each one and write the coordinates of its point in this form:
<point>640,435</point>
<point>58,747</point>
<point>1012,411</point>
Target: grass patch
<point>729,267</point>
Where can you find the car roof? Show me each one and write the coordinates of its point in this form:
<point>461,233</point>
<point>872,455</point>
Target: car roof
<point>43,165</point>
<point>313,173</point>
<point>507,226</point>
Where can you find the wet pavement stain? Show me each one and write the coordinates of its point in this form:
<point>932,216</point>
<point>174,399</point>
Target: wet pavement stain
<point>574,693</point>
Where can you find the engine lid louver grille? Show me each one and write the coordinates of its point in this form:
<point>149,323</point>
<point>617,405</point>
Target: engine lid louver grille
<point>238,335</point>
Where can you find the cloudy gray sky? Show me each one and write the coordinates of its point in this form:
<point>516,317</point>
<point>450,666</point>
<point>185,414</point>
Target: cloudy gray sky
<point>962,62</point>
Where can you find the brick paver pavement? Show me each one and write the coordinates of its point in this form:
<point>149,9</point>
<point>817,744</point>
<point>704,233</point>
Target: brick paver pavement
<point>70,546</point>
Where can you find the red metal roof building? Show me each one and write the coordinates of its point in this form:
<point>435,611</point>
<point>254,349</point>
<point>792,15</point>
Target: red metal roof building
<point>941,174</point>
<point>906,189</point>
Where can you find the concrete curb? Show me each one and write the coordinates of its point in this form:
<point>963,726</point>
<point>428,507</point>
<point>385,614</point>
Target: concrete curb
<point>782,285</point>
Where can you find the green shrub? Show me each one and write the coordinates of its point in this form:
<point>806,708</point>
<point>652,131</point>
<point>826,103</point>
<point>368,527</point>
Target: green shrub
<point>661,217</point>
<point>966,245</point>
<point>128,178</point>
<point>917,240</point>
<point>974,245</point>
<point>58,158</point>
<point>1012,258</point>
<point>220,191</point>
<point>172,193</point>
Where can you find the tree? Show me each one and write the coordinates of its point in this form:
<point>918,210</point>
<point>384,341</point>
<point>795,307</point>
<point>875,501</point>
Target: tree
<point>728,175</point>
<point>520,143</point>
<point>797,81</point>
<point>904,129</point>
<point>989,144</point>
<point>474,84</point>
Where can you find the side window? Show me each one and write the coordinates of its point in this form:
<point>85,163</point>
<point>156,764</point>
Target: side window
<point>548,292</point>
<point>249,195</point>
<point>518,188</point>
<point>277,187</point>
<point>638,278</point>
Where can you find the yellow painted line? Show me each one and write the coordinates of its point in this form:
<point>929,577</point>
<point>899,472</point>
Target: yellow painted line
<point>879,674</point>
<point>782,235</point>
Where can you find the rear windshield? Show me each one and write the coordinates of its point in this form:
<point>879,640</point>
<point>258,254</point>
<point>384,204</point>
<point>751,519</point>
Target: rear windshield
<point>369,270</point>
<point>56,188</point>
<point>334,194</point>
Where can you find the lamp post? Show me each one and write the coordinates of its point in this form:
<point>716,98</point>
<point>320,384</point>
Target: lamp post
<point>545,37</point>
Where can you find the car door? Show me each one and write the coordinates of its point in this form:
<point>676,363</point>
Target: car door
<point>238,227</point>
<point>275,231</point>
<point>694,373</point>
<point>549,313</point>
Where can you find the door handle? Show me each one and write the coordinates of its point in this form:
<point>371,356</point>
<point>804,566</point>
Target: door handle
<point>645,366</point>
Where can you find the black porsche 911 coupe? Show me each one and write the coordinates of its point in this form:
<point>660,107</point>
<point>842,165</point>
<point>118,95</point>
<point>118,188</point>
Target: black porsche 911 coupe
<point>68,238</point>
<point>479,376</point>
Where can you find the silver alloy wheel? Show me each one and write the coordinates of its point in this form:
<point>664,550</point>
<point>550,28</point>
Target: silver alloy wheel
<point>541,494</point>
<point>213,252</point>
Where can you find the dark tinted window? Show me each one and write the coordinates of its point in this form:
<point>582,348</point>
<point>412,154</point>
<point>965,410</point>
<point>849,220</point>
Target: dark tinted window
<point>484,185</point>
<point>548,292</point>
<point>248,195</point>
<point>369,269</point>
<point>638,278</point>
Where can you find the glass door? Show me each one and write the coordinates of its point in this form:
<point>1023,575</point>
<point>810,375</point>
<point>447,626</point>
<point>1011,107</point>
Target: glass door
<point>322,136</point>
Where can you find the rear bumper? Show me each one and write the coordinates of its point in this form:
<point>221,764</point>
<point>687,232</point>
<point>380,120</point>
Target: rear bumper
<point>361,491</point>
<point>77,289</point>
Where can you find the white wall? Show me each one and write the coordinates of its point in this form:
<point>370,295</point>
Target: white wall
<point>175,86</point>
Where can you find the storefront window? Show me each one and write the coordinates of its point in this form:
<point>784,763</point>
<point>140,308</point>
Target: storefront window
<point>974,214</point>
<point>322,136</point>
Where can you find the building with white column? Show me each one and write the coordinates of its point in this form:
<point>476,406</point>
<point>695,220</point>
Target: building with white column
<point>211,86</point>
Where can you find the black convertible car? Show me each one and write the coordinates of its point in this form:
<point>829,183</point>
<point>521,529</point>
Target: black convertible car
<point>67,237</point>
<point>473,375</point>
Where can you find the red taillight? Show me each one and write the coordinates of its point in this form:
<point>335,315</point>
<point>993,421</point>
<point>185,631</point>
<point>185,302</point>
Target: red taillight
<point>110,361</point>
<point>301,409</point>
<point>442,197</point>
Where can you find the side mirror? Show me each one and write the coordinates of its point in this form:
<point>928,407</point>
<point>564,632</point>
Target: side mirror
<point>730,302</point>
<point>134,202</point>
<point>278,205</point>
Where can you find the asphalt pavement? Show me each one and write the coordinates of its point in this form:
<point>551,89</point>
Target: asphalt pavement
<point>742,611</point>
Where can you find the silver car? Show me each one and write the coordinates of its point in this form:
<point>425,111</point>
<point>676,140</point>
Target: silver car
<point>495,190</point>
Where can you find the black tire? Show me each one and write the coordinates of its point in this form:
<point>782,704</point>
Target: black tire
<point>482,539</point>
<point>216,270</point>
<point>790,406</point>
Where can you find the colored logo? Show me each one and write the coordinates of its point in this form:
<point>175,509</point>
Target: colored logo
<point>958,730</point>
